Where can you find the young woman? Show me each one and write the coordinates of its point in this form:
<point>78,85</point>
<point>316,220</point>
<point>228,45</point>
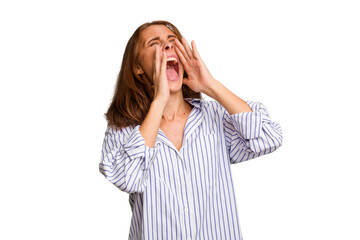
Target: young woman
<point>170,149</point>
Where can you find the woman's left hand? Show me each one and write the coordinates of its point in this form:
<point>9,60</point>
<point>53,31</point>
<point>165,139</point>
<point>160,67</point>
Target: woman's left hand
<point>199,78</point>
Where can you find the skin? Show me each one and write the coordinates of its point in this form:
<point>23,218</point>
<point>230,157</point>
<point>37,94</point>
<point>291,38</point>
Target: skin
<point>152,56</point>
<point>169,111</point>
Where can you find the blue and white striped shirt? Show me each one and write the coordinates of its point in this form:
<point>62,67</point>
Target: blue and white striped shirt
<point>188,194</point>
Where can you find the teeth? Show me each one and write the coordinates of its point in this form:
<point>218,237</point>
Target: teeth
<point>172,59</point>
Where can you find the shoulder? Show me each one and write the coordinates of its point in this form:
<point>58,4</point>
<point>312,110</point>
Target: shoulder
<point>211,110</point>
<point>205,105</point>
<point>212,107</point>
<point>120,134</point>
<point>214,110</point>
<point>216,106</point>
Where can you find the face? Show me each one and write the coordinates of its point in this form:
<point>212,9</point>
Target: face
<point>163,37</point>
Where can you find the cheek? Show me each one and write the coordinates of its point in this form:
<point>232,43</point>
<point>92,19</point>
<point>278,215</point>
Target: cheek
<point>148,59</point>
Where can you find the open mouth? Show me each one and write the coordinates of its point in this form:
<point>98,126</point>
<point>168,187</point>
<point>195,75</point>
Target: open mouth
<point>172,68</point>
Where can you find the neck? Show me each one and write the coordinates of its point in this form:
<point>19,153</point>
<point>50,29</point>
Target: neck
<point>176,107</point>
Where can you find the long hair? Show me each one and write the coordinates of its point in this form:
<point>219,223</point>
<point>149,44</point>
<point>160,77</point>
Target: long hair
<point>133,95</point>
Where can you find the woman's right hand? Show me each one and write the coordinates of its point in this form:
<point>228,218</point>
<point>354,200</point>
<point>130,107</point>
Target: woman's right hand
<point>161,85</point>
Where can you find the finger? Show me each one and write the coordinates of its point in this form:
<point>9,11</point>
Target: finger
<point>187,48</point>
<point>163,63</point>
<point>196,53</point>
<point>180,55</point>
<point>180,47</point>
<point>156,61</point>
<point>185,81</point>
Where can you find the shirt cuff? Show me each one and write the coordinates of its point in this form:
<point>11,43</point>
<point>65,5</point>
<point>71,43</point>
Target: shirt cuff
<point>248,124</point>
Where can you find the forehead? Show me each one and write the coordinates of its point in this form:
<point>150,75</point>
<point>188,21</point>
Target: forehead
<point>155,31</point>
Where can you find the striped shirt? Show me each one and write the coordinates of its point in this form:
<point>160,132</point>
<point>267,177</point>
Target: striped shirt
<point>188,194</point>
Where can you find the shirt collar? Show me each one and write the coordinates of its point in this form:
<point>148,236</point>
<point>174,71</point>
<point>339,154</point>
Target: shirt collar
<point>196,102</point>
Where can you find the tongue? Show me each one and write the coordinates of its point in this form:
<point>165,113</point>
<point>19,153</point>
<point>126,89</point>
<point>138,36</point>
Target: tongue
<point>171,73</point>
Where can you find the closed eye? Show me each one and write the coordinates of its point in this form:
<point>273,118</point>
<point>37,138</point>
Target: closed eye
<point>153,43</point>
<point>171,40</point>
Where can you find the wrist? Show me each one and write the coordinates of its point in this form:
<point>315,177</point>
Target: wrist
<point>159,103</point>
<point>212,88</point>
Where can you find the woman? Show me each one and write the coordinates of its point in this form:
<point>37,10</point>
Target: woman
<point>171,150</point>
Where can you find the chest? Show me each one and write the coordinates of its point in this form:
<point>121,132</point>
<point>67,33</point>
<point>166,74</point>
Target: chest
<point>174,131</point>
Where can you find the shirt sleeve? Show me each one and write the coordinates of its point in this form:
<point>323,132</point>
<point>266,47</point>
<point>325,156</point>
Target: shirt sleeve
<point>250,134</point>
<point>125,159</point>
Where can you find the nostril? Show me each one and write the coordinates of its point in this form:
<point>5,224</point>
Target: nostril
<point>167,48</point>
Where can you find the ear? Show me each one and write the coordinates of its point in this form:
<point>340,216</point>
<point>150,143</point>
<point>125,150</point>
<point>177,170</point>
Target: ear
<point>139,69</point>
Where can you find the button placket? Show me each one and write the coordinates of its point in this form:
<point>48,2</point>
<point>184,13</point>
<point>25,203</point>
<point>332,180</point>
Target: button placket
<point>182,185</point>
<point>182,182</point>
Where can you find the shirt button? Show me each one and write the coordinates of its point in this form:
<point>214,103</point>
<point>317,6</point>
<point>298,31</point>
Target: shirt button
<point>189,238</point>
<point>186,209</point>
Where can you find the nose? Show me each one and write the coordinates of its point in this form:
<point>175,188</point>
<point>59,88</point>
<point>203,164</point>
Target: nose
<point>168,46</point>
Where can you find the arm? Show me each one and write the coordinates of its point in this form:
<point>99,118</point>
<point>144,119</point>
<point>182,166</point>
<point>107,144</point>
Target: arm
<point>249,130</point>
<point>250,134</point>
<point>232,103</point>
<point>150,126</point>
<point>128,153</point>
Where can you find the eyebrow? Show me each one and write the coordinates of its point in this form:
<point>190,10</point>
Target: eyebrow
<point>157,38</point>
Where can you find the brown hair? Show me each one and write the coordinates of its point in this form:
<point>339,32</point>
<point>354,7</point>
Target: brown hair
<point>133,95</point>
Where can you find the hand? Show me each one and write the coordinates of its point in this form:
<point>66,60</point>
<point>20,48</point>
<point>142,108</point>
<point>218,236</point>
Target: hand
<point>161,85</point>
<point>199,78</point>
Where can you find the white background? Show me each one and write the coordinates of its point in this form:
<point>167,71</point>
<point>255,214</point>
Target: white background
<point>59,61</point>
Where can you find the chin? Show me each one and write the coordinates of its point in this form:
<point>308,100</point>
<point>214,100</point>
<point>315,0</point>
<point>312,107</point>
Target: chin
<point>175,86</point>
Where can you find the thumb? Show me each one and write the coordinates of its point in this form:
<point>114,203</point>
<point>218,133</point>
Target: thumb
<point>185,81</point>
